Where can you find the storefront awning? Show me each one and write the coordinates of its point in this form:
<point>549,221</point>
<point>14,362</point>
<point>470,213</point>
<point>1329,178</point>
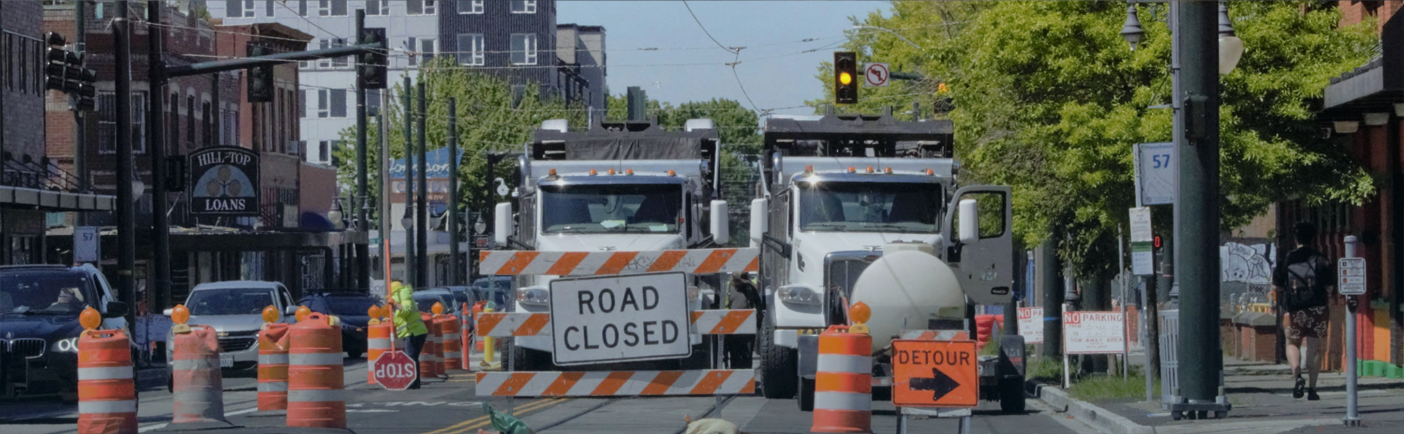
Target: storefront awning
<point>49,200</point>
<point>1373,88</point>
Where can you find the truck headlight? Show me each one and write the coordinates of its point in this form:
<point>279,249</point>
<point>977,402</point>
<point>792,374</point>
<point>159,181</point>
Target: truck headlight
<point>534,296</point>
<point>799,295</point>
<point>69,345</point>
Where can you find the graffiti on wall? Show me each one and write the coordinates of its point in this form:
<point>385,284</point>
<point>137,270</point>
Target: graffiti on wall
<point>1250,264</point>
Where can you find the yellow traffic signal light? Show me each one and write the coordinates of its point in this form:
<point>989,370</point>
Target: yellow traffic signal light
<point>845,86</point>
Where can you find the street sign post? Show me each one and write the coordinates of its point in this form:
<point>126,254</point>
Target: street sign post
<point>1156,173</point>
<point>940,374</point>
<point>1352,275</point>
<point>86,244</point>
<point>619,318</point>
<point>877,75</point>
<point>1031,324</point>
<point>1142,242</point>
<point>394,370</point>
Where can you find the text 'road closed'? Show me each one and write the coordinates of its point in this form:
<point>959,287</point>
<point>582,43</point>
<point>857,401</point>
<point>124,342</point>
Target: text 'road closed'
<point>639,317</point>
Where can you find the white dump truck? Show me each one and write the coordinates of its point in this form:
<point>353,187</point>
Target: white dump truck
<point>618,187</point>
<point>868,208</point>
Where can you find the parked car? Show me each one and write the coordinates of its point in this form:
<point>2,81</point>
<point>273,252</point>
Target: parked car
<point>235,310</point>
<point>351,308</point>
<point>495,289</point>
<point>425,299</point>
<point>39,309</point>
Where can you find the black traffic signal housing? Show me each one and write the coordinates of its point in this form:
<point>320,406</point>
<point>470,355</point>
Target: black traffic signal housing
<point>371,65</point>
<point>845,77</point>
<point>56,62</point>
<point>260,78</point>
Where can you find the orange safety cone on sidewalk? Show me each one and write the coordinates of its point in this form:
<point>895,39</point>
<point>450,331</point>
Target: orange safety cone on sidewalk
<point>844,379</point>
<point>106,392</point>
<point>195,376</point>
<point>377,341</point>
<point>273,344</point>
<point>315,375</point>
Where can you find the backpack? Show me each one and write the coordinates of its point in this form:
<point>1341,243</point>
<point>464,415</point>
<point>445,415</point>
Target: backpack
<point>1306,286</point>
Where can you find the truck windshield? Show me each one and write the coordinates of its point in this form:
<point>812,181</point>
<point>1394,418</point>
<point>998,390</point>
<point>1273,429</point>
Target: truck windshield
<point>869,207</point>
<point>611,208</point>
<point>229,301</point>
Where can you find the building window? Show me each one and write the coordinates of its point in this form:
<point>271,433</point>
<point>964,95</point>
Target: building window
<point>377,7</point>
<point>422,7</point>
<point>322,97</point>
<point>338,103</point>
<point>237,9</point>
<point>324,44</point>
<point>207,130</point>
<point>268,8</point>
<point>107,122</point>
<point>523,48</point>
<point>523,6</point>
<point>190,121</point>
<point>422,50</point>
<point>331,8</point>
<point>470,50</point>
<point>301,103</point>
<point>323,151</point>
<point>302,8</point>
<point>339,62</point>
<point>470,6</point>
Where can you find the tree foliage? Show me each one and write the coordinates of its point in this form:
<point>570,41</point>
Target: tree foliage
<point>1049,100</point>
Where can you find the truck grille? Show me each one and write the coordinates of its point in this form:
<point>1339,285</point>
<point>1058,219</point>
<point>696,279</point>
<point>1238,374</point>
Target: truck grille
<point>841,269</point>
<point>28,348</point>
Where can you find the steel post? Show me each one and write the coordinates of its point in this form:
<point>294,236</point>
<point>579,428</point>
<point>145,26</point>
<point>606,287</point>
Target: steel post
<point>408,120</point>
<point>385,214</point>
<point>80,139</point>
<point>362,187</point>
<point>1352,417</point>
<point>421,213</point>
<point>453,271</point>
<point>160,283</point>
<point>1052,298</point>
<point>126,203</point>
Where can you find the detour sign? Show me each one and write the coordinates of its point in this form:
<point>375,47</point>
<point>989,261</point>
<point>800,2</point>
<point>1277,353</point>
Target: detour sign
<point>935,374</point>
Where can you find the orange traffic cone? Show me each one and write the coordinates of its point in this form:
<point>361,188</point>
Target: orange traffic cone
<point>195,377</point>
<point>273,343</point>
<point>452,344</point>
<point>315,375</point>
<point>106,394</point>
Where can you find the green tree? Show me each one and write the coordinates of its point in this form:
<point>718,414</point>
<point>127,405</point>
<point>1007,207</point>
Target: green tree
<point>1050,100</point>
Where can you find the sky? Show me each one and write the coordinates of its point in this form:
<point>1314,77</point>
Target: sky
<point>659,46</point>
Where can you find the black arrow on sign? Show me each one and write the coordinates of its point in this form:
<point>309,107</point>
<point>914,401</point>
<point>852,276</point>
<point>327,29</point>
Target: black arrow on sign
<point>939,384</point>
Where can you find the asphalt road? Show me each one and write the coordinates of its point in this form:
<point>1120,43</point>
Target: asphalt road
<point>451,407</point>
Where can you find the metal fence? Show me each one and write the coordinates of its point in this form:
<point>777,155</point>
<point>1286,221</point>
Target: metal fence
<point>1169,359</point>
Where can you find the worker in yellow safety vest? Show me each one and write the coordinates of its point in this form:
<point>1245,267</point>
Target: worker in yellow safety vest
<point>408,325</point>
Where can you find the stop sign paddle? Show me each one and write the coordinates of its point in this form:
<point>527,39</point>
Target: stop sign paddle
<point>394,370</point>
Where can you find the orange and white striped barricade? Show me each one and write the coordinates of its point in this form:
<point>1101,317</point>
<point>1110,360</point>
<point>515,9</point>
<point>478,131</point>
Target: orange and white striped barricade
<point>196,382</point>
<point>452,343</point>
<point>843,389</point>
<point>465,339</point>
<point>273,343</point>
<point>694,261</point>
<point>935,335</point>
<point>315,375</point>
<point>706,322</point>
<point>429,363</point>
<point>377,343</point>
<point>106,392</point>
<point>617,383</point>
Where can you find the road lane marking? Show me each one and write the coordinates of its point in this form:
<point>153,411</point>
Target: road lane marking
<point>477,422</point>
<point>521,412</point>
<point>226,416</point>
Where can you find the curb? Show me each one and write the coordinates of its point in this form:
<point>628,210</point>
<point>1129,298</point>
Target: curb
<point>1097,417</point>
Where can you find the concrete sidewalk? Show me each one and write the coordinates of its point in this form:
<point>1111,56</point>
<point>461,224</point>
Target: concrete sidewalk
<point>1261,395</point>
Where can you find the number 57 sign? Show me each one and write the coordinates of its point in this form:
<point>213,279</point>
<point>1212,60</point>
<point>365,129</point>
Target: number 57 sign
<point>1156,173</point>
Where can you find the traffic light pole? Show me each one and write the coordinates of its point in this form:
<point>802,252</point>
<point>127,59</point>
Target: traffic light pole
<point>126,215</point>
<point>421,223</point>
<point>362,189</point>
<point>453,271</point>
<point>160,222</point>
<point>408,122</point>
<point>80,139</point>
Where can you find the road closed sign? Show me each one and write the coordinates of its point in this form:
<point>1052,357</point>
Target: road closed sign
<point>942,374</point>
<point>1093,333</point>
<point>619,318</point>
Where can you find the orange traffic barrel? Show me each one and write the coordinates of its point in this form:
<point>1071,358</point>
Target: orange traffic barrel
<point>106,394</point>
<point>273,343</point>
<point>377,343</point>
<point>429,363</point>
<point>452,345</point>
<point>465,338</point>
<point>315,375</point>
<point>843,385</point>
<point>198,396</point>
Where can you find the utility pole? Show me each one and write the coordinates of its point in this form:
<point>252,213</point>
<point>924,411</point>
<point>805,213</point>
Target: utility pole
<point>1052,297</point>
<point>385,214</point>
<point>1201,359</point>
<point>421,224</point>
<point>362,189</point>
<point>408,121</point>
<point>126,205</point>
<point>80,117</point>
<point>453,271</point>
<point>160,283</point>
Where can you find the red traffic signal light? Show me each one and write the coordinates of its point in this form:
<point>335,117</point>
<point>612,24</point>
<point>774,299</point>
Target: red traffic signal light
<point>1156,241</point>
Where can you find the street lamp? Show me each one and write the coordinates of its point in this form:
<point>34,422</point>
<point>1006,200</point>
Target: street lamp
<point>336,216</point>
<point>908,41</point>
<point>1131,30</point>
<point>408,220</point>
<point>480,226</point>
<point>1230,47</point>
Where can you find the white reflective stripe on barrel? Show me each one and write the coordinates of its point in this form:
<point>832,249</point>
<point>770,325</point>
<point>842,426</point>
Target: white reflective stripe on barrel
<point>326,395</point>
<point>198,394</point>
<point>847,364</point>
<point>843,401</point>
<point>280,386</point>
<point>314,359</point>
<point>201,364</point>
<point>452,354</point>
<point>378,344</point>
<point>451,337</point>
<point>101,407</point>
<point>112,373</point>
<point>273,359</point>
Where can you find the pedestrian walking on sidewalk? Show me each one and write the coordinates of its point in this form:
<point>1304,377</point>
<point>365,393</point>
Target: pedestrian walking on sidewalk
<point>408,325</point>
<point>1301,283</point>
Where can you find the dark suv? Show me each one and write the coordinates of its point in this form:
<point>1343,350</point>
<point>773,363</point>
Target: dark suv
<point>39,307</point>
<point>351,308</point>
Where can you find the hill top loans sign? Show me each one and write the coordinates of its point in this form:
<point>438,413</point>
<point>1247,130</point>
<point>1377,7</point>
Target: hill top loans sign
<point>224,182</point>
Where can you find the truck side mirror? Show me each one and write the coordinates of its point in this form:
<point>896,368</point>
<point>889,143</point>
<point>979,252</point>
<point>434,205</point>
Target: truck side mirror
<point>115,309</point>
<point>168,312</point>
<point>721,229</point>
<point>758,221</point>
<point>969,221</point>
<point>290,310</point>
<point>502,223</point>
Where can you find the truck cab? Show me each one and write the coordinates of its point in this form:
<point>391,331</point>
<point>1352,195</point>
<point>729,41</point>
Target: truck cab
<point>841,193</point>
<point>618,186</point>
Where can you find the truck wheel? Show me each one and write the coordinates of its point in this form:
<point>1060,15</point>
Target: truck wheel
<point>806,394</point>
<point>779,367</point>
<point>1011,395</point>
<point>525,359</point>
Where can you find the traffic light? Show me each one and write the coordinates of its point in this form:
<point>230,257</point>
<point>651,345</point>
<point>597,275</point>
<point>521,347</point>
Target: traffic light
<point>56,62</point>
<point>260,77</point>
<point>1157,242</point>
<point>371,65</point>
<point>845,77</point>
